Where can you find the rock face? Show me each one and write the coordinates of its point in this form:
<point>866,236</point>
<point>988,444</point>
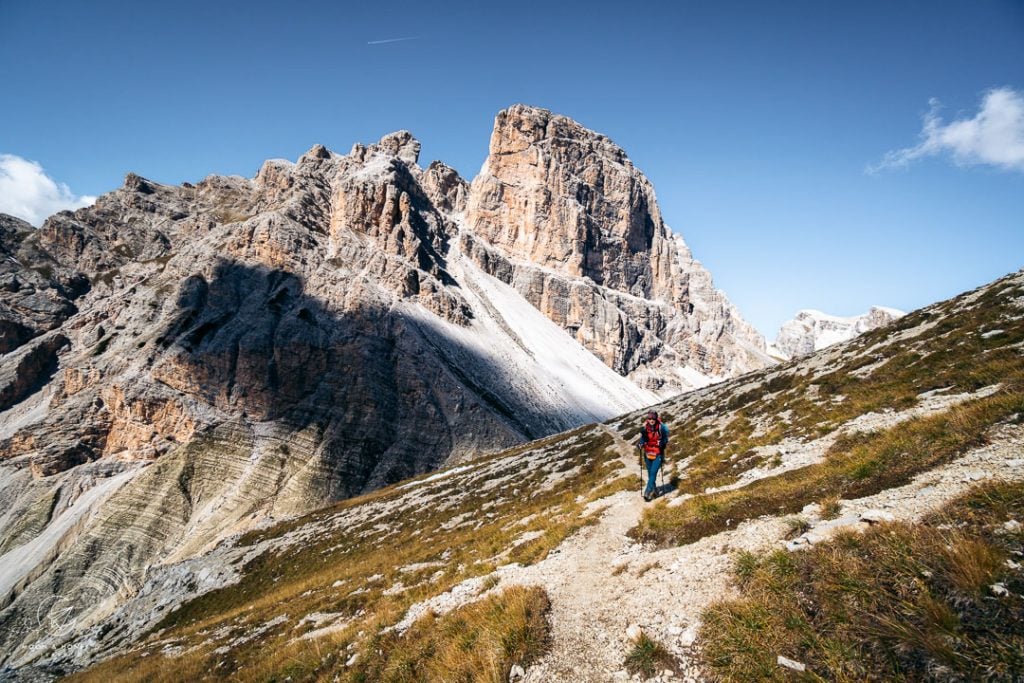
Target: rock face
<point>812,331</point>
<point>560,213</point>
<point>181,363</point>
<point>34,298</point>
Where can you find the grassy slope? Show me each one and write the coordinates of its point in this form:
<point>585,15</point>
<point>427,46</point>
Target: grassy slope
<point>900,602</point>
<point>941,347</point>
<point>452,529</point>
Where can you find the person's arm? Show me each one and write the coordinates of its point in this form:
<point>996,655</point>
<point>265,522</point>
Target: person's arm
<point>664,437</point>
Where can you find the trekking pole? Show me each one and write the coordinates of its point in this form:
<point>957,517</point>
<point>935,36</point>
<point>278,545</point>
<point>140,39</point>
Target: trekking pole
<point>640,461</point>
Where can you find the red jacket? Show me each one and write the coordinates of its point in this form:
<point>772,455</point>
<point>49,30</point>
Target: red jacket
<point>652,449</point>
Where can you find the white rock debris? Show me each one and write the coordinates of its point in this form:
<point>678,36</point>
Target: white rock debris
<point>791,664</point>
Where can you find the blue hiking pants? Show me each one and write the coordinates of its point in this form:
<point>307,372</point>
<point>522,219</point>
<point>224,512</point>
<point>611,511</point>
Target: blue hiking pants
<point>652,472</point>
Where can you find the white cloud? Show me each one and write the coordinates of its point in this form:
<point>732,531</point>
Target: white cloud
<point>994,136</point>
<point>28,193</point>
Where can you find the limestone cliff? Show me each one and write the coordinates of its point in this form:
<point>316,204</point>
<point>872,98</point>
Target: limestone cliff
<point>560,212</point>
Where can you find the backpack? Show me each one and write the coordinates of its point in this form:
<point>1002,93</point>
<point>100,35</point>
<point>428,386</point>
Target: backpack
<point>652,440</point>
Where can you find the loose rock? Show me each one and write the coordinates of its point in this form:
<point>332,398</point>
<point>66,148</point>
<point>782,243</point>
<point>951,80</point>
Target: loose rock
<point>791,664</point>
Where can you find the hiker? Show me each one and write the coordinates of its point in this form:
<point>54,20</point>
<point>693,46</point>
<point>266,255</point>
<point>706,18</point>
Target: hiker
<point>653,441</point>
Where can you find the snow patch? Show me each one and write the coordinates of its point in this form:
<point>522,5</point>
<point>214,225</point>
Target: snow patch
<point>812,330</point>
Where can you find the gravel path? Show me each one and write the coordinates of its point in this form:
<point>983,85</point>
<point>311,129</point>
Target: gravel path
<point>600,582</point>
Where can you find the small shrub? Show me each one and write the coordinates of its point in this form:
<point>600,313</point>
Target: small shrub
<point>707,509</point>
<point>864,470</point>
<point>830,507</point>
<point>646,568</point>
<point>745,564</point>
<point>648,657</point>
<point>846,442</point>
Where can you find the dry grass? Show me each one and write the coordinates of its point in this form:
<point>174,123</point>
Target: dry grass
<point>155,669</point>
<point>478,642</point>
<point>331,573</point>
<point>901,602</point>
<point>830,507</point>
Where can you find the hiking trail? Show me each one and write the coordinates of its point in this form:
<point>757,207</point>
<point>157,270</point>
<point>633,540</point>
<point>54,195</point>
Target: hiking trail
<point>600,581</point>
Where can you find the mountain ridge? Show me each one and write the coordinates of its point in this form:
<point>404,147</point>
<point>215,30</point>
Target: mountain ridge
<point>188,362</point>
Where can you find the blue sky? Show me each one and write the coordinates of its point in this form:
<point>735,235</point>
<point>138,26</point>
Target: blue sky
<point>755,121</point>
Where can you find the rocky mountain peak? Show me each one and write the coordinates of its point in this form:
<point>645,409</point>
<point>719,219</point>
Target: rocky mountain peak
<point>560,212</point>
<point>402,145</point>
<point>317,151</point>
<point>12,232</point>
<point>136,183</point>
<point>564,197</point>
<point>445,187</point>
<point>521,125</point>
<point>812,330</point>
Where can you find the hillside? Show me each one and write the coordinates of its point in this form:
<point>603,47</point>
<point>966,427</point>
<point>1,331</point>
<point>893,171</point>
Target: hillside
<point>183,363</point>
<point>825,511</point>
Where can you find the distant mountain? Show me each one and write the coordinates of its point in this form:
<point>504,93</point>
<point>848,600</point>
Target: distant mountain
<point>183,363</point>
<point>812,330</point>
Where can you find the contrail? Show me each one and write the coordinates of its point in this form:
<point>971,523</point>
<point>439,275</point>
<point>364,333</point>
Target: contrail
<point>390,40</point>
